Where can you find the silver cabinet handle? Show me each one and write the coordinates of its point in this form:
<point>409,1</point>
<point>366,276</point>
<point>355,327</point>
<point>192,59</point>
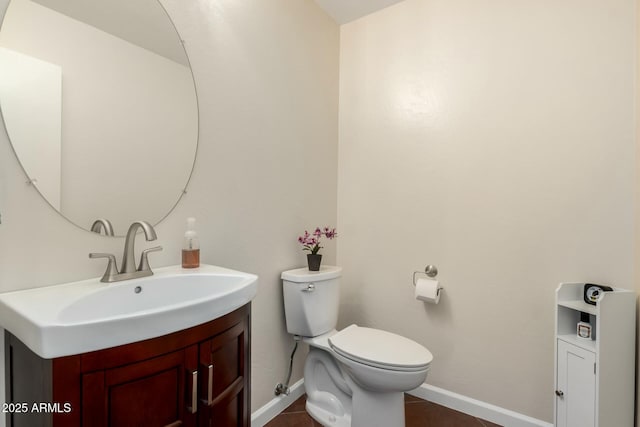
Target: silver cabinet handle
<point>194,393</point>
<point>559,393</point>
<point>310,288</point>
<point>209,400</point>
<point>210,385</point>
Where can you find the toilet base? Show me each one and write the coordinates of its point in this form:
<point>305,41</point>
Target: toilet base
<point>377,409</point>
<point>334,399</point>
<point>327,418</point>
<point>369,409</point>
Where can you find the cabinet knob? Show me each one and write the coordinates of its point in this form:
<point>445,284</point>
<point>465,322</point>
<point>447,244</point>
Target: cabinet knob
<point>559,393</point>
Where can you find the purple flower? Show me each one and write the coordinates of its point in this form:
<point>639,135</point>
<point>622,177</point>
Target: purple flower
<point>330,233</point>
<point>311,242</point>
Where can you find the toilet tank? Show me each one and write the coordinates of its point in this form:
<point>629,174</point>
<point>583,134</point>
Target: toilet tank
<point>311,300</point>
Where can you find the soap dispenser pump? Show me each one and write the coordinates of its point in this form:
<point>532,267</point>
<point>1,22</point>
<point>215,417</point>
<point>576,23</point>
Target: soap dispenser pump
<point>191,246</point>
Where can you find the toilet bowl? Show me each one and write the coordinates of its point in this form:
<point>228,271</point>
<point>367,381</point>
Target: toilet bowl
<point>356,376</point>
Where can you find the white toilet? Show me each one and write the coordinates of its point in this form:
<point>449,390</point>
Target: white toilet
<point>354,377</point>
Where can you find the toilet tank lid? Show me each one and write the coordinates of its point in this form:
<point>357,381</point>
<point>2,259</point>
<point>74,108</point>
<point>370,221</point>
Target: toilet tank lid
<point>303,275</point>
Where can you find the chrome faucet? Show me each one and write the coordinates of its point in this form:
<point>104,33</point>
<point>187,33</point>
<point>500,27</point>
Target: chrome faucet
<point>104,224</point>
<point>129,270</point>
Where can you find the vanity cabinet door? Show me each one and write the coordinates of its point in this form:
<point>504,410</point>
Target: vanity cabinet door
<point>224,369</point>
<point>154,392</point>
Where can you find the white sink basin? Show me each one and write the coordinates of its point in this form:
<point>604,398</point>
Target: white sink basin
<point>84,316</point>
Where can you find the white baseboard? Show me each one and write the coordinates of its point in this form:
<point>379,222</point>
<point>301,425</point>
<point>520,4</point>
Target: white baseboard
<point>276,405</point>
<point>476,408</point>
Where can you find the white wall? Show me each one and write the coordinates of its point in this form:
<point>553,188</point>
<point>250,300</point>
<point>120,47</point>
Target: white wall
<point>494,139</point>
<point>267,76</point>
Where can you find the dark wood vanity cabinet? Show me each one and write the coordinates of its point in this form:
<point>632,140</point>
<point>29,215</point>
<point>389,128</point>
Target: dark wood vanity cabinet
<point>196,377</point>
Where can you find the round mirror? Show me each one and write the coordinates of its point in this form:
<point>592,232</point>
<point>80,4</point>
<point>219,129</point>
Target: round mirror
<point>99,104</point>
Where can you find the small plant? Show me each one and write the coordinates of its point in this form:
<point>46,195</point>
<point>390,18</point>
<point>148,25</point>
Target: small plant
<point>311,241</point>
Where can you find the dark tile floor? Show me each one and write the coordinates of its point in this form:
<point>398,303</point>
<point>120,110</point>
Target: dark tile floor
<point>418,413</point>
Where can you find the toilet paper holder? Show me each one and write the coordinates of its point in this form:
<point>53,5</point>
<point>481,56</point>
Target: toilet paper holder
<point>430,270</point>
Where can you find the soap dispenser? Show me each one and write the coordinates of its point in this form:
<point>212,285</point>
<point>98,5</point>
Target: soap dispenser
<point>191,246</point>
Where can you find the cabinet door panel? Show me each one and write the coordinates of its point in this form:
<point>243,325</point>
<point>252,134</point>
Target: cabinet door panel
<point>94,405</point>
<point>226,353</point>
<point>148,393</point>
<point>227,413</point>
<point>158,408</point>
<point>577,382</point>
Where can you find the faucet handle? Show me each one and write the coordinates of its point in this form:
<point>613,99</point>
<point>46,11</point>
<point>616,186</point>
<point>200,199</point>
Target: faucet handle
<point>144,258</point>
<point>112,269</point>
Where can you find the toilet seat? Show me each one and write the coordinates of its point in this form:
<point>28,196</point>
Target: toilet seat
<point>380,349</point>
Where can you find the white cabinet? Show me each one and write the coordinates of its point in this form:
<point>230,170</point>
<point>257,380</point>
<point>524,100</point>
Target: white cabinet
<point>595,377</point>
